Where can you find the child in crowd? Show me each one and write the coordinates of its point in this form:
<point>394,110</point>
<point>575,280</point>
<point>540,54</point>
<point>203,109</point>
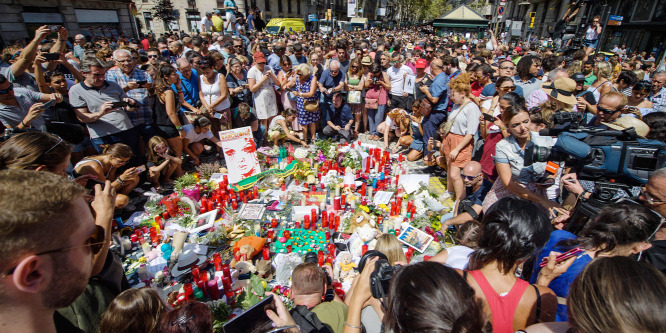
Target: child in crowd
<point>279,131</point>
<point>136,310</point>
<point>161,163</point>
<point>458,256</point>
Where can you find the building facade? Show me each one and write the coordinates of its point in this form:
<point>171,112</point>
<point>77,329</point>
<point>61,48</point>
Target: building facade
<point>20,18</point>
<point>189,13</point>
<point>641,27</point>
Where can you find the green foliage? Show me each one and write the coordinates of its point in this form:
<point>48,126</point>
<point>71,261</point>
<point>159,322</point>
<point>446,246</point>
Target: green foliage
<point>208,169</point>
<point>164,10</point>
<point>184,181</point>
<point>220,313</point>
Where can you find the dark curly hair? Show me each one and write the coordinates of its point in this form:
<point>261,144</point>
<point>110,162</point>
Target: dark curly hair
<point>657,123</point>
<point>514,229</point>
<point>524,64</point>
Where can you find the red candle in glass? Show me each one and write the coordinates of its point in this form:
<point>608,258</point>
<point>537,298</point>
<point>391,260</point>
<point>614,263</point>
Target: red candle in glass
<point>364,249</point>
<point>328,235</point>
<point>189,292</point>
<point>379,219</point>
<point>307,186</point>
<point>324,220</point>
<point>210,204</point>
<point>217,260</point>
<point>274,223</point>
<point>212,289</point>
<point>336,203</point>
<point>409,254</point>
<point>134,238</point>
<point>397,232</point>
<point>322,186</point>
<point>337,223</point>
<point>288,248</point>
<point>343,201</point>
<point>165,215</point>
<point>306,222</point>
<point>255,192</point>
<point>296,225</point>
<point>313,226</point>
<point>269,235</point>
<point>202,286</point>
<point>266,253</point>
<point>331,217</point>
<point>244,198</point>
<point>226,282</point>
<point>331,248</point>
<point>283,187</point>
<point>409,205</point>
<point>320,258</point>
<point>203,210</point>
<point>234,204</point>
<point>313,215</point>
<point>159,221</point>
<point>226,272</point>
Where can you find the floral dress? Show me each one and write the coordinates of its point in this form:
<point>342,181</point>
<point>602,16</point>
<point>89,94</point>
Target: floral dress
<point>305,117</point>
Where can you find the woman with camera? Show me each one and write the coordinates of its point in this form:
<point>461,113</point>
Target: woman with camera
<point>424,297</point>
<point>621,229</point>
<point>377,84</point>
<point>516,179</point>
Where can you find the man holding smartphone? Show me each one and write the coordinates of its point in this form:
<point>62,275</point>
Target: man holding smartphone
<point>22,108</point>
<point>136,84</point>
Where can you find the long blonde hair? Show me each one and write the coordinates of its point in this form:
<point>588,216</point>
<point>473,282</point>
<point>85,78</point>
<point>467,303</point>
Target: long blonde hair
<point>389,245</point>
<point>154,142</point>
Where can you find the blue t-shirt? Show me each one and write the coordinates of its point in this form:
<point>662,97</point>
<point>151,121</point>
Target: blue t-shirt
<point>343,118</point>
<point>250,22</point>
<point>440,89</point>
<point>190,89</point>
<point>477,196</point>
<point>229,3</point>
<point>561,284</point>
<point>329,81</point>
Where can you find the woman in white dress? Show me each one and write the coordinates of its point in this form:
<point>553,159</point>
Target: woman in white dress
<point>263,93</point>
<point>214,95</point>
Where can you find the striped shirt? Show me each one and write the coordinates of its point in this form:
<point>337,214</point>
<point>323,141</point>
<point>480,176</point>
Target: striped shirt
<point>143,114</point>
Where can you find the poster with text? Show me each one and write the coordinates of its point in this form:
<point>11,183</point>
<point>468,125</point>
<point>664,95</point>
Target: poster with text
<point>351,8</point>
<point>240,153</point>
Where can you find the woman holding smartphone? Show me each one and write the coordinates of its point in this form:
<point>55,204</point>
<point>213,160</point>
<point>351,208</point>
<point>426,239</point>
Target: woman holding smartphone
<point>166,111</point>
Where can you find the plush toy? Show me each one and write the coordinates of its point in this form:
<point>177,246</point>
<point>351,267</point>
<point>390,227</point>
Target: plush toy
<point>247,250</point>
<point>265,269</point>
<point>359,219</point>
<point>242,274</point>
<point>344,266</point>
<point>366,236</point>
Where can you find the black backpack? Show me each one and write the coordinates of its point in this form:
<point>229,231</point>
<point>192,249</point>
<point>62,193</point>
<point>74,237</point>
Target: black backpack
<point>307,320</point>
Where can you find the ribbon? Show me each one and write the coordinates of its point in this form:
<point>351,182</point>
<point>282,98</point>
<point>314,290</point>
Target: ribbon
<point>556,91</point>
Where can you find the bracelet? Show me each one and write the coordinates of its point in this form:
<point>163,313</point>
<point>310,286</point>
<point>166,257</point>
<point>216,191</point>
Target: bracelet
<point>582,194</point>
<point>122,182</point>
<point>352,326</point>
<point>24,125</point>
<point>178,128</point>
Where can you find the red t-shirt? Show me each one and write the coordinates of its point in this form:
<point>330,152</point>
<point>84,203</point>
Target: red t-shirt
<point>476,89</point>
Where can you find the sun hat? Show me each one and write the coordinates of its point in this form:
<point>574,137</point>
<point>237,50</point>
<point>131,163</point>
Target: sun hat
<point>624,122</point>
<point>561,89</point>
<point>366,61</point>
<point>186,260</point>
<point>410,46</point>
<point>421,63</point>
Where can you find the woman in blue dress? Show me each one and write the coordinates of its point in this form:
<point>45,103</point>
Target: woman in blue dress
<point>306,91</point>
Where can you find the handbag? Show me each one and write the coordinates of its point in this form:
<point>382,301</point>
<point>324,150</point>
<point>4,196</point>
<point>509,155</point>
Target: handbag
<point>449,123</point>
<point>309,106</point>
<point>372,103</point>
<point>354,97</point>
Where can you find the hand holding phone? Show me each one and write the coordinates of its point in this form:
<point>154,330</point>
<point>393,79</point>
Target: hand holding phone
<point>49,104</point>
<point>140,169</point>
<point>120,104</point>
<point>488,117</point>
<point>51,56</point>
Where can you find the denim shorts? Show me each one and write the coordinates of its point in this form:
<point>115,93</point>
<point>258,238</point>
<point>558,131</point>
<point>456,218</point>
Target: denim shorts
<point>591,43</point>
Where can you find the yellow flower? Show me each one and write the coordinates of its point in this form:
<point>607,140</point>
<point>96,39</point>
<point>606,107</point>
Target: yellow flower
<point>365,209</point>
<point>143,260</point>
<point>383,206</point>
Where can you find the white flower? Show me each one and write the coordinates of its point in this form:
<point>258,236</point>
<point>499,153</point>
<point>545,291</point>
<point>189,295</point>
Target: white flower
<point>300,153</point>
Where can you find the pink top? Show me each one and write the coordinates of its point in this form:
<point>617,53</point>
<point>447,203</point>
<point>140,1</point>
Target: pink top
<point>504,307</point>
<point>378,92</point>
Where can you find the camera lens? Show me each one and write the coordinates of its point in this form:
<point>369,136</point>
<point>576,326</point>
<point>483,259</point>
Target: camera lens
<point>311,257</point>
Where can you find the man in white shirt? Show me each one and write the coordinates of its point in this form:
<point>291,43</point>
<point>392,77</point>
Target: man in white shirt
<point>207,23</point>
<point>397,73</point>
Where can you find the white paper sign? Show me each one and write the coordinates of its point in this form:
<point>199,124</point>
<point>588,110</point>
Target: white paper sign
<point>240,153</point>
<point>413,182</point>
<point>410,83</point>
<point>382,197</point>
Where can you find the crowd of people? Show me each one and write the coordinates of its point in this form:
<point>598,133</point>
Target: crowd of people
<point>120,112</point>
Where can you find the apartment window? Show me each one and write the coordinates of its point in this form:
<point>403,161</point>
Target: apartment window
<point>279,6</point>
<point>289,6</point>
<point>148,21</point>
<point>191,3</point>
<point>298,6</point>
<point>220,3</point>
<point>267,5</point>
<point>193,21</point>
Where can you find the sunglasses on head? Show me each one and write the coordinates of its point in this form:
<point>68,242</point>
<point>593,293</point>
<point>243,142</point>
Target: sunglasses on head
<point>5,91</point>
<point>95,241</point>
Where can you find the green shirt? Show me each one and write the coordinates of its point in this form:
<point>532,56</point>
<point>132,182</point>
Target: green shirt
<point>332,315</point>
<point>590,79</point>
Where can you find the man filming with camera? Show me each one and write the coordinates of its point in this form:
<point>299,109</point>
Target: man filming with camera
<point>308,286</point>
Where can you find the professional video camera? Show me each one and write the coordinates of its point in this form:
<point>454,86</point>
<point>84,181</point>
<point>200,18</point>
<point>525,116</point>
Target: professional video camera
<point>614,160</point>
<point>380,279</point>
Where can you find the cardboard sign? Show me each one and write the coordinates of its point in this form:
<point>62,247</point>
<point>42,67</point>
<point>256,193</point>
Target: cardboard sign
<point>240,153</point>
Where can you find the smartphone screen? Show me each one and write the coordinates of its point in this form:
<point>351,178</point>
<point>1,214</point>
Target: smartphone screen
<point>49,103</point>
<point>488,117</point>
<point>251,319</point>
<point>120,104</point>
<point>90,185</point>
<point>140,169</point>
<point>51,56</point>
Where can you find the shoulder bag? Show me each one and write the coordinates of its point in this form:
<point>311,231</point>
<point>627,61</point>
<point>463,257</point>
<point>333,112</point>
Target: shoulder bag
<point>449,123</point>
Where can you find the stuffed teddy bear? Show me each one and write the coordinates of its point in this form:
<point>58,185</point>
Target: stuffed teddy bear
<point>359,219</point>
<point>244,270</point>
<point>366,236</point>
<point>344,266</point>
<point>246,250</point>
<point>265,269</point>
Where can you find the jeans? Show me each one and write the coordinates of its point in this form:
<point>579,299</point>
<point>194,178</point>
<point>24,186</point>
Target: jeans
<point>344,134</point>
<point>375,117</point>
<point>259,135</point>
<point>129,137</point>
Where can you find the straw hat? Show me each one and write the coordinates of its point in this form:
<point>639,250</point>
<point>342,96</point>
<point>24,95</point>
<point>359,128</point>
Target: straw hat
<point>624,122</point>
<point>561,89</point>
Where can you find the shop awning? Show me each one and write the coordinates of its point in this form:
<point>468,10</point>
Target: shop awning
<point>459,25</point>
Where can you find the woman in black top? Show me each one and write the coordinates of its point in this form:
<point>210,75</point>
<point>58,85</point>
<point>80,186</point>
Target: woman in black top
<point>166,111</point>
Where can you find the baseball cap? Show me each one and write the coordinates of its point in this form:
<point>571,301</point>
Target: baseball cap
<point>421,63</point>
<point>578,77</point>
<point>217,11</point>
<point>259,57</point>
<point>417,48</point>
<point>518,49</point>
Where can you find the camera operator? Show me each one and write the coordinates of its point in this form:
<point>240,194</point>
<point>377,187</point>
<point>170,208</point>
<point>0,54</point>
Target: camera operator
<point>308,286</point>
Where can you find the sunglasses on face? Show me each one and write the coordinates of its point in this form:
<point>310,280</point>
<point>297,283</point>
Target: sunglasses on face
<point>5,91</point>
<point>606,111</point>
<point>96,242</point>
<point>509,88</point>
<point>152,56</point>
<point>469,178</point>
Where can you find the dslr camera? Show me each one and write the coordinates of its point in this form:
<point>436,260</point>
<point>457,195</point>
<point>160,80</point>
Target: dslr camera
<point>380,278</point>
<point>311,257</point>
